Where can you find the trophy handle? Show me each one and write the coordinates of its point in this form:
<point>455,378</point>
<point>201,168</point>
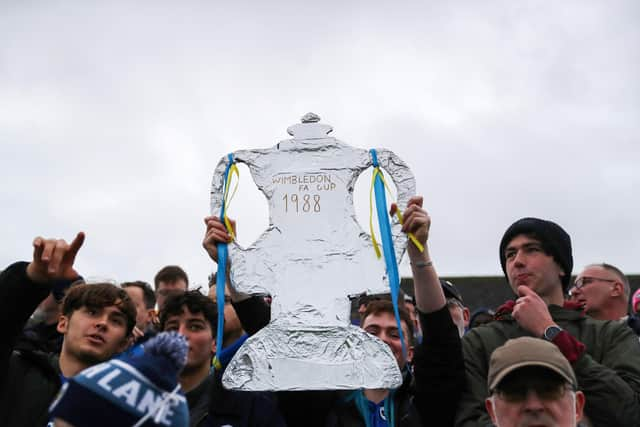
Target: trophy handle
<point>405,183</point>
<point>217,185</point>
<point>235,250</point>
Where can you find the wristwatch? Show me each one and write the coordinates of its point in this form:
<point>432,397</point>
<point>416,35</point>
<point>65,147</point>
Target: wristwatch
<point>551,332</point>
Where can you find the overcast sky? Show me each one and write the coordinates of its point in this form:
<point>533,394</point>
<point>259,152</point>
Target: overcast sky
<point>113,116</point>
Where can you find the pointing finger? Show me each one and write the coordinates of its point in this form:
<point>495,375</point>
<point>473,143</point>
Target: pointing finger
<point>75,247</point>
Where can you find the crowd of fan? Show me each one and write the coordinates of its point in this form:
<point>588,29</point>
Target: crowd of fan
<point>561,353</point>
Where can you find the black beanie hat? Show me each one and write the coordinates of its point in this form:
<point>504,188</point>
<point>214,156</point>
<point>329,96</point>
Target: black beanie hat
<point>555,242</point>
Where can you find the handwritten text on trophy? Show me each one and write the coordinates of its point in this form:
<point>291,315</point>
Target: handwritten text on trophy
<point>304,202</point>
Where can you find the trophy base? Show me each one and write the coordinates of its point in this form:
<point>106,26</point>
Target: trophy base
<point>295,357</point>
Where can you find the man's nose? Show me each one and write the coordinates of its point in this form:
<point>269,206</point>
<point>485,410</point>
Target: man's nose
<point>102,320</point>
<point>532,401</point>
<point>183,330</point>
<point>519,258</point>
<point>385,338</point>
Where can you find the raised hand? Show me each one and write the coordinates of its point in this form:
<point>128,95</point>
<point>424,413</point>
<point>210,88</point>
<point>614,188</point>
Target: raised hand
<point>53,259</point>
<point>415,220</point>
<point>214,234</point>
<point>531,312</point>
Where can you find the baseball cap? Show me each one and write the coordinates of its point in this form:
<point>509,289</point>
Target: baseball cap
<point>450,291</point>
<point>524,352</point>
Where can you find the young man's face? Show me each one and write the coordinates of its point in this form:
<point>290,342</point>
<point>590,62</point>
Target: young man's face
<point>528,265</point>
<point>142,313</point>
<point>93,335</point>
<point>197,330</point>
<point>383,325</point>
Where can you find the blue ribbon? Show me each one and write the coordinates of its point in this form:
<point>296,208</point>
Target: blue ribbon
<point>387,246</point>
<point>222,264</point>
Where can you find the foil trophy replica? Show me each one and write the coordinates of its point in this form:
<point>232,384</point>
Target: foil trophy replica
<point>311,258</point>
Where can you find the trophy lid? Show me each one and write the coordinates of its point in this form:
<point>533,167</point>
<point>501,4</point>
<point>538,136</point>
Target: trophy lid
<point>309,128</point>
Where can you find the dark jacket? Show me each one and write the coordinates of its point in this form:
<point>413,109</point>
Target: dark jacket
<point>346,414</point>
<point>608,371</point>
<point>633,321</point>
<point>40,337</point>
<point>430,399</point>
<point>29,380</point>
<point>198,402</point>
<point>210,405</point>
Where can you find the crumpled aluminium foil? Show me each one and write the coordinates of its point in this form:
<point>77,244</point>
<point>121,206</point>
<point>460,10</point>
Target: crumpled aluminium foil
<point>311,258</point>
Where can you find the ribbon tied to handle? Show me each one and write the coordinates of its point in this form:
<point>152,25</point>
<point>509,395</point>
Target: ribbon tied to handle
<point>223,252</point>
<point>378,184</point>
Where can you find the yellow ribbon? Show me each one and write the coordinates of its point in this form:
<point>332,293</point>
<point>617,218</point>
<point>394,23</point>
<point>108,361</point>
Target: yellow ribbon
<point>216,363</point>
<point>233,169</point>
<point>411,236</point>
<point>376,248</point>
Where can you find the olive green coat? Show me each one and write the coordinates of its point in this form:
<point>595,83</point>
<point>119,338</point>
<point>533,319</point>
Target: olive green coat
<point>608,372</point>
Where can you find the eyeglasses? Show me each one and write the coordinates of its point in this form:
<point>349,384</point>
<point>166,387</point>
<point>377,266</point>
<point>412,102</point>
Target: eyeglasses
<point>517,391</point>
<point>585,280</point>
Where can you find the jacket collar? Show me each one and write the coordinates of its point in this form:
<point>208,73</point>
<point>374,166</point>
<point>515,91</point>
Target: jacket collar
<point>569,311</point>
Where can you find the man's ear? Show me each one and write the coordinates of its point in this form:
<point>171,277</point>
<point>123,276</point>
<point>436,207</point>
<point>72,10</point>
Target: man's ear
<point>466,315</point>
<point>63,324</point>
<point>561,274</point>
<point>617,290</point>
<point>127,341</point>
<point>410,351</point>
<point>152,315</point>
<point>213,347</point>
<point>488,404</point>
<point>580,399</point>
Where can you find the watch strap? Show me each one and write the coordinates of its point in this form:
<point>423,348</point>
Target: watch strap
<point>551,332</point>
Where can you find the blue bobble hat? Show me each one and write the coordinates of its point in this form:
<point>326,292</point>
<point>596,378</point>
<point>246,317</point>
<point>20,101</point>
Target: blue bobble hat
<point>140,391</point>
